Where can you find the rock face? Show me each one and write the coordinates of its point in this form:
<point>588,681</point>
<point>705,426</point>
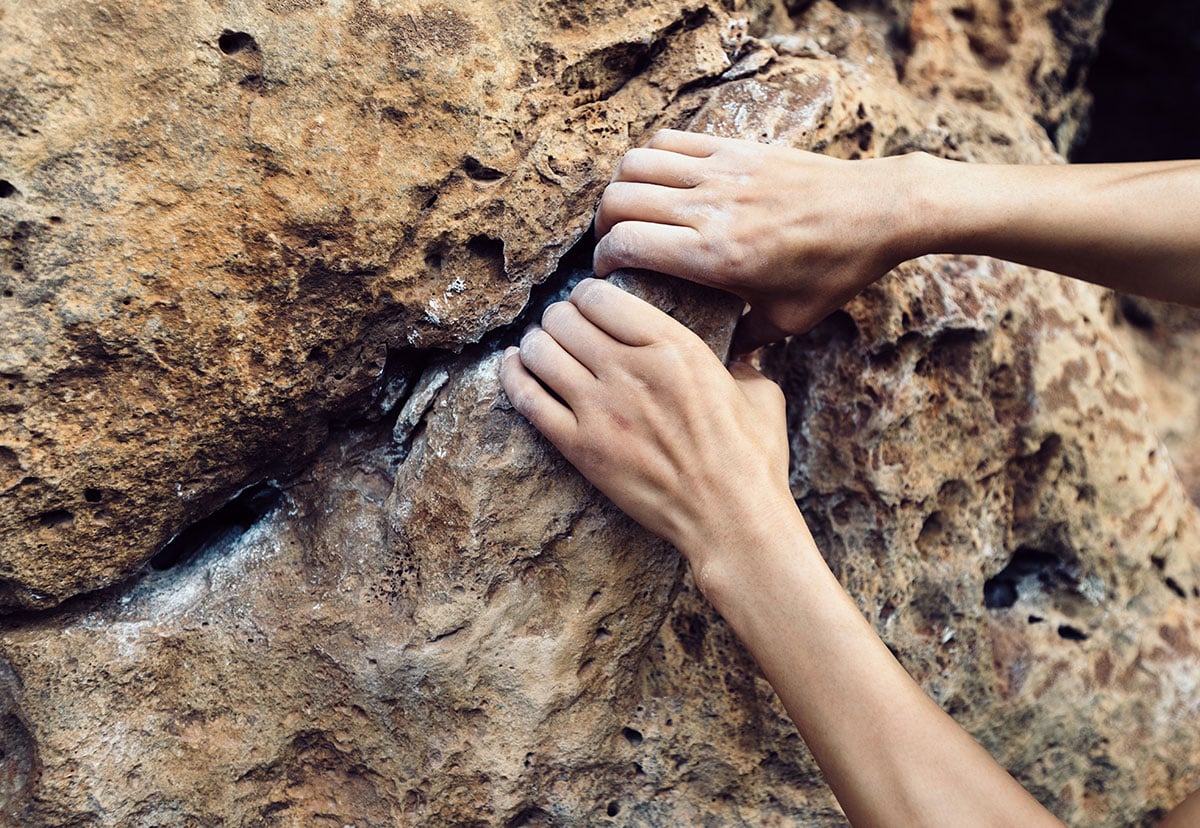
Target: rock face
<point>259,261</point>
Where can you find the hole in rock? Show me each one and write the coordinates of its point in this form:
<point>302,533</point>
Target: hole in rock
<point>7,190</point>
<point>634,737</point>
<point>1146,73</point>
<point>57,519</point>
<point>1029,569</point>
<point>1174,586</point>
<point>93,495</point>
<point>234,518</point>
<point>478,171</point>
<point>8,293</point>
<point>232,43</point>
<point>613,808</point>
<point>489,250</point>
<point>1071,633</point>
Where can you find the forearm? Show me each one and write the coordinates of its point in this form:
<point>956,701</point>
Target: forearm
<point>1132,227</point>
<point>891,756</point>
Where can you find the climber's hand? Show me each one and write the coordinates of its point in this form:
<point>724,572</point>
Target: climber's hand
<point>689,449</point>
<point>793,233</point>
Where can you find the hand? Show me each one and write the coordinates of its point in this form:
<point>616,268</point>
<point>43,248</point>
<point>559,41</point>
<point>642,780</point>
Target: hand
<point>689,449</point>
<point>793,233</point>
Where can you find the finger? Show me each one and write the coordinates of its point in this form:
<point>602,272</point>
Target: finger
<point>622,315</point>
<point>534,402</point>
<point>630,201</point>
<point>654,166</point>
<point>686,143</point>
<point>754,385</point>
<point>578,336</point>
<point>666,248</point>
<point>547,360</point>
<point>754,330</point>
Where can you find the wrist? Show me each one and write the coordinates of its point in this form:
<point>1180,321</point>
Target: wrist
<point>734,564</point>
<point>930,210</point>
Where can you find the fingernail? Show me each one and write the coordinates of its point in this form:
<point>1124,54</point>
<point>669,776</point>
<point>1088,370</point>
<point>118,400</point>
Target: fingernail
<point>510,350</point>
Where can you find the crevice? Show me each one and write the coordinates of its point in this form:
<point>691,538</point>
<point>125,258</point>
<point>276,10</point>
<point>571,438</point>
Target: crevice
<point>1030,571</point>
<point>231,521</point>
<point>573,267</point>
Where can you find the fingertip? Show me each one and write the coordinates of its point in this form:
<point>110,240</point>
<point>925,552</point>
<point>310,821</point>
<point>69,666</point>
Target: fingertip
<point>600,257</point>
<point>583,289</point>
<point>509,352</point>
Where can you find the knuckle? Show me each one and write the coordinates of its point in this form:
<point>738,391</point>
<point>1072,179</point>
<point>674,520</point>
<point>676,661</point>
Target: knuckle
<point>726,256</point>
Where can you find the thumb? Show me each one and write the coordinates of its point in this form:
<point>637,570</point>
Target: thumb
<point>763,392</point>
<point>753,331</point>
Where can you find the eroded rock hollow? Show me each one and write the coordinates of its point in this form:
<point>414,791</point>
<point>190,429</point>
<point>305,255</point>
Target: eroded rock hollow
<point>275,550</point>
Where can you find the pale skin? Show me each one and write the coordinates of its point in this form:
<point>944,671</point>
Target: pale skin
<point>697,452</point>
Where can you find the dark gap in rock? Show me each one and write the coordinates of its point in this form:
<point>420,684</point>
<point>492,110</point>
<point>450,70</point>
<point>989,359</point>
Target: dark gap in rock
<point>1036,619</point>
<point>93,495</point>
<point>478,171</point>
<point>1174,586</point>
<point>487,248</point>
<point>7,190</point>
<point>574,266</point>
<point>232,43</point>
<point>1029,568</point>
<point>234,518</point>
<point>1145,83</point>
<point>634,737</point>
<point>1066,631</point>
<point>1135,313</point>
<point>613,808</point>
<point>529,817</point>
<point>56,519</point>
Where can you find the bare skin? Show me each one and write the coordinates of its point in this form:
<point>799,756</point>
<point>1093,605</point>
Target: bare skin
<point>797,234</point>
<point>697,453</point>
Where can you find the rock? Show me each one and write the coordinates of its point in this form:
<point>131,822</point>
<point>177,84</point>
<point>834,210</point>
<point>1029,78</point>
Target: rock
<point>411,611</point>
<point>228,223</point>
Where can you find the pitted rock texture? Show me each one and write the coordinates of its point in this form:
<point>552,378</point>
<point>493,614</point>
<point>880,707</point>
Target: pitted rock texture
<point>424,616</point>
<point>226,219</point>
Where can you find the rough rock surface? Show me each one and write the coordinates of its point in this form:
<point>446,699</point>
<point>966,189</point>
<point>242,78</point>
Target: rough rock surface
<point>274,247</point>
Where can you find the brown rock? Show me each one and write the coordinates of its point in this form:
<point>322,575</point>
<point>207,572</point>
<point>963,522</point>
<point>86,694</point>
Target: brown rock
<point>227,220</point>
<point>428,618</point>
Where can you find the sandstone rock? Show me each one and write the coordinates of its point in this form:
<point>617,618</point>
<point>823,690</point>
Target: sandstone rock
<point>226,221</point>
<point>417,614</point>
